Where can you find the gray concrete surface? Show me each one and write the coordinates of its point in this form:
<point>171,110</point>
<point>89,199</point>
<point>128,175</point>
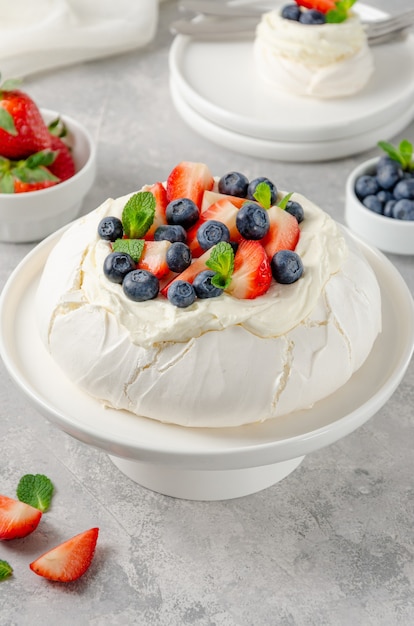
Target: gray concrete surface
<point>331,545</point>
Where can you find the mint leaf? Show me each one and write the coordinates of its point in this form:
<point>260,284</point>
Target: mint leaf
<point>403,154</point>
<point>36,490</point>
<point>221,261</point>
<point>7,122</point>
<point>138,214</point>
<point>340,12</point>
<point>6,570</point>
<point>263,195</point>
<point>133,247</point>
<point>283,203</point>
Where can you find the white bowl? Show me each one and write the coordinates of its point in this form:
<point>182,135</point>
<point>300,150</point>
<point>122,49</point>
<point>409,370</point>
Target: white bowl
<point>31,216</point>
<point>386,233</point>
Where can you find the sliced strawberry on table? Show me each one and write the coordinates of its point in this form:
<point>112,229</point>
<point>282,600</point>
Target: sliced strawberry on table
<point>17,519</point>
<point>160,194</point>
<point>69,560</point>
<point>211,197</point>
<point>252,274</point>
<point>22,128</point>
<point>189,180</point>
<point>283,232</point>
<point>63,167</point>
<point>225,211</point>
<point>320,5</point>
<point>154,258</point>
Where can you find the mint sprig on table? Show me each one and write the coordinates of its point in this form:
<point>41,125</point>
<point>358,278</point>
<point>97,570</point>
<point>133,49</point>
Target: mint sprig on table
<point>340,12</point>
<point>221,261</point>
<point>403,153</point>
<point>138,214</point>
<point>133,247</point>
<point>36,490</point>
<point>6,570</point>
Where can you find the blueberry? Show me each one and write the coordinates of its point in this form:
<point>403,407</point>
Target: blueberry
<point>171,233</point>
<point>403,209</point>
<point>252,221</point>
<point>384,196</point>
<point>366,185</point>
<point>388,175</point>
<point>212,232</point>
<point>204,287</point>
<point>312,16</point>
<point>372,203</point>
<point>287,267</point>
<point>181,293</point>
<point>117,265</point>
<point>178,256</point>
<point>110,228</point>
<point>388,208</point>
<point>291,12</point>
<point>253,185</point>
<point>295,209</point>
<point>404,189</point>
<point>183,212</point>
<point>234,184</point>
<point>140,285</point>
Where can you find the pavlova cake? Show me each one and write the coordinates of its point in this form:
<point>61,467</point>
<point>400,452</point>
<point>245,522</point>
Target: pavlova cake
<point>313,48</point>
<point>208,302</point>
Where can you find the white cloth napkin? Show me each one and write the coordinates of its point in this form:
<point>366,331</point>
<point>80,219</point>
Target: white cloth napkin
<point>37,35</point>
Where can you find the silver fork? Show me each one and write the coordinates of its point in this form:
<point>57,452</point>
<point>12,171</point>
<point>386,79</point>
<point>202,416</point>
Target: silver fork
<point>243,19</point>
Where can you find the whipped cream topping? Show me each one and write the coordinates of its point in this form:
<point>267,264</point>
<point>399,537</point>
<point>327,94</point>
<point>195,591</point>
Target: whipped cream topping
<point>322,60</point>
<point>223,361</point>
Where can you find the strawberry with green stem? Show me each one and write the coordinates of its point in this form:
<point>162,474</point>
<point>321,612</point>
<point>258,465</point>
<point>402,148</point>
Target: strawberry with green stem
<point>29,174</point>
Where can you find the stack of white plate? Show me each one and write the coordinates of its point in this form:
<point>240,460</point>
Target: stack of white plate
<point>216,90</point>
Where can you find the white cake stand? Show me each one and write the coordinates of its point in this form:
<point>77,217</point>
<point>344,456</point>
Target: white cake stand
<point>191,463</point>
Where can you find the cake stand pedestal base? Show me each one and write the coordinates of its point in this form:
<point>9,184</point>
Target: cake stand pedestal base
<point>206,485</point>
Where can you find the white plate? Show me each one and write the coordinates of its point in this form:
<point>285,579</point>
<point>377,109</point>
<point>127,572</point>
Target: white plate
<point>218,80</point>
<point>284,150</point>
<point>202,464</point>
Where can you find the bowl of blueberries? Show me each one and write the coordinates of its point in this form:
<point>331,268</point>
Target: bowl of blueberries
<point>379,204</point>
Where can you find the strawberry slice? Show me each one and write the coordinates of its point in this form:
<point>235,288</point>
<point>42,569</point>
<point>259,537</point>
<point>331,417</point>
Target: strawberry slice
<point>154,258</point>
<point>69,560</point>
<point>160,194</point>
<point>211,197</point>
<point>320,5</point>
<point>224,211</point>
<point>197,266</point>
<point>283,233</point>
<point>17,519</point>
<point>252,274</point>
<point>189,180</point>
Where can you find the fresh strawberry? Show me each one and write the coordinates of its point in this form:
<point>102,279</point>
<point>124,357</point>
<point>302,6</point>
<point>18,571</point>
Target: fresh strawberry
<point>69,560</point>
<point>160,194</point>
<point>283,233</point>
<point>197,266</point>
<point>22,129</point>
<point>17,519</point>
<point>320,5</point>
<point>189,180</point>
<point>63,167</point>
<point>225,211</point>
<point>252,274</point>
<point>154,258</point>
<point>31,174</point>
<point>211,197</point>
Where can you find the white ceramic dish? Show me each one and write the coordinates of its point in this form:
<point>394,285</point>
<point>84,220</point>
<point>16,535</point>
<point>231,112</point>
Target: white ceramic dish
<point>202,464</point>
<point>386,233</point>
<point>284,150</point>
<point>31,216</point>
<point>233,98</point>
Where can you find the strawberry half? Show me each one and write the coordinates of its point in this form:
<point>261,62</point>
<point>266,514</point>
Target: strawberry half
<point>320,5</point>
<point>189,180</point>
<point>283,232</point>
<point>252,274</point>
<point>69,560</point>
<point>22,128</point>
<point>224,211</point>
<point>154,258</point>
<point>63,167</point>
<point>17,519</point>
<point>160,194</point>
